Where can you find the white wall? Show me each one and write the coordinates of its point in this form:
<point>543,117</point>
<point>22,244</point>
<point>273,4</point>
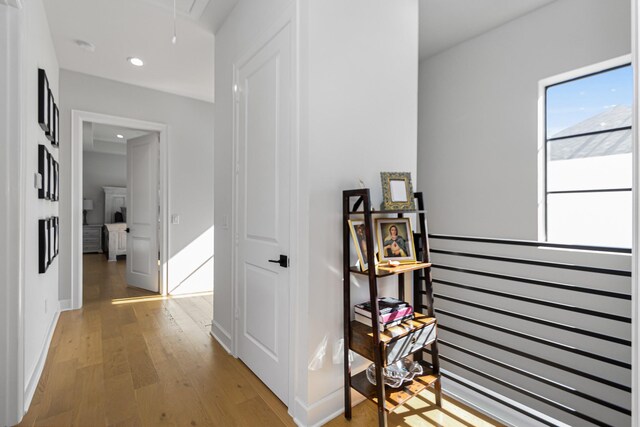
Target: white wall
<point>478,167</point>
<point>190,153</point>
<point>477,155</point>
<point>358,116</point>
<point>40,290</point>
<point>362,105</point>
<point>100,170</point>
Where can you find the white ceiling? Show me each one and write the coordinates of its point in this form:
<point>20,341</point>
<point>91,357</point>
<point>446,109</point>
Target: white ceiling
<point>123,28</point>
<point>101,138</point>
<point>446,23</point>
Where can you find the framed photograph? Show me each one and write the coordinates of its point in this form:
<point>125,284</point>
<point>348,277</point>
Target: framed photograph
<point>50,241</point>
<point>56,236</point>
<point>43,256</point>
<point>56,124</point>
<point>43,100</point>
<point>56,181</point>
<point>43,170</point>
<point>49,176</point>
<point>395,240</point>
<point>49,132</point>
<point>360,242</point>
<point>397,191</point>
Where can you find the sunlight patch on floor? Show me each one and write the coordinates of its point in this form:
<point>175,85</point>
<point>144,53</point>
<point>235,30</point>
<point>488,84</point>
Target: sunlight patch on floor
<point>157,298</point>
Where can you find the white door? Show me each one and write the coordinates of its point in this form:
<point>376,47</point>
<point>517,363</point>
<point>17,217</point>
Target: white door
<point>263,192</point>
<point>142,212</point>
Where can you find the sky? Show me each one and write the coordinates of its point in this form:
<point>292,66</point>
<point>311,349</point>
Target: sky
<point>572,102</point>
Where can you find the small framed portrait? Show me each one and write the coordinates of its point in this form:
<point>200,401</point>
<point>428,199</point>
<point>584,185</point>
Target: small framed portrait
<point>43,100</point>
<point>43,170</point>
<point>360,242</point>
<point>43,244</point>
<point>397,191</point>
<point>395,240</point>
<point>49,133</point>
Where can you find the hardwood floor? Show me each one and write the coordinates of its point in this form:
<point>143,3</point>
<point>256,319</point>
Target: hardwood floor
<point>133,358</point>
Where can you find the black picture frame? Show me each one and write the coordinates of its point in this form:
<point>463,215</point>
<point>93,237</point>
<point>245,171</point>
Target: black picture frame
<point>50,241</point>
<point>56,181</point>
<point>43,100</point>
<point>56,236</point>
<point>43,170</point>
<point>43,256</point>
<point>56,126</point>
<point>49,133</point>
<point>49,176</point>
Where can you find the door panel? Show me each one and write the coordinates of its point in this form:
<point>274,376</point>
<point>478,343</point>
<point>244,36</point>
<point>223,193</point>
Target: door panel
<point>263,193</point>
<point>142,212</point>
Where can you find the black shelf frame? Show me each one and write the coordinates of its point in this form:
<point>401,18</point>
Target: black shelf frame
<point>422,287</point>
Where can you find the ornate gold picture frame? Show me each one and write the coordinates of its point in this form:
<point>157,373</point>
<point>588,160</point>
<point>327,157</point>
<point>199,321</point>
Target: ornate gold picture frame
<point>397,191</point>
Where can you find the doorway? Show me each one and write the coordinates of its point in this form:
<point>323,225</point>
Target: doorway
<point>120,202</point>
<point>145,134</point>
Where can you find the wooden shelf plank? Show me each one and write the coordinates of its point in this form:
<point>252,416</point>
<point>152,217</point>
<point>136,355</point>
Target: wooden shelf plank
<point>394,397</point>
<point>362,336</point>
<point>383,271</point>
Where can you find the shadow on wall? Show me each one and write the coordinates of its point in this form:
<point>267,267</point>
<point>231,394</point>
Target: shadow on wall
<point>191,269</point>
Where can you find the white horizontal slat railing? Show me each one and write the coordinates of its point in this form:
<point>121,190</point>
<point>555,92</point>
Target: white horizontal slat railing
<point>535,332</point>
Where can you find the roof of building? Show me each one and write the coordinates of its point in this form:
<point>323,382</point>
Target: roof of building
<point>604,144</point>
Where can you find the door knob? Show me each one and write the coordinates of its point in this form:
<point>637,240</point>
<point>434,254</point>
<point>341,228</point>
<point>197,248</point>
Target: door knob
<point>283,261</point>
<point>127,229</point>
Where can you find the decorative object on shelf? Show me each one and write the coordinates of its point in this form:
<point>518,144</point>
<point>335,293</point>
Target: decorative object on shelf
<point>395,240</point>
<point>43,100</point>
<point>397,191</point>
<point>358,230</point>
<point>392,312</point>
<point>43,170</point>
<point>87,205</point>
<point>395,375</point>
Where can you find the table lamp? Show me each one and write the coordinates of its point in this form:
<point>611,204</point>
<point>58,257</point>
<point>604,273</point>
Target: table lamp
<point>87,205</point>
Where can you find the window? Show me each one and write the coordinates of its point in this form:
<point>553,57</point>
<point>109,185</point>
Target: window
<point>588,151</point>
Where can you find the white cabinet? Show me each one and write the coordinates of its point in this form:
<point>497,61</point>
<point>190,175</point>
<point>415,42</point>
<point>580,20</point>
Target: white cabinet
<point>91,238</point>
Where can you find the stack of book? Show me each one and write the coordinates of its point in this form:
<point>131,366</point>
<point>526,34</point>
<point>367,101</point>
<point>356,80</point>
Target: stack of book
<point>392,312</point>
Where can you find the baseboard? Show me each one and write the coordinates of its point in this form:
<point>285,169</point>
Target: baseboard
<point>220,335</point>
<point>490,407</point>
<point>315,415</point>
<point>65,305</point>
<point>32,384</point>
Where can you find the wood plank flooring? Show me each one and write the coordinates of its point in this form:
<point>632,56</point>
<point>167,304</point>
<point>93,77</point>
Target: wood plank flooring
<point>133,358</point>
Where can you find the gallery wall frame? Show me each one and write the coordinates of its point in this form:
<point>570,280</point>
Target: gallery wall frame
<point>43,100</point>
<point>43,171</point>
<point>50,132</point>
<point>43,244</point>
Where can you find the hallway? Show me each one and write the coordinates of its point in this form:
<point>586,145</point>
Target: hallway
<point>132,358</point>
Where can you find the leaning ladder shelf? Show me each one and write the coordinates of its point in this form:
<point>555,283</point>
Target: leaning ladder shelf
<point>368,341</point>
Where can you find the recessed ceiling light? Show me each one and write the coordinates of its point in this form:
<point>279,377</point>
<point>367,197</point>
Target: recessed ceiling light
<point>135,61</point>
<point>90,47</point>
<point>119,136</point>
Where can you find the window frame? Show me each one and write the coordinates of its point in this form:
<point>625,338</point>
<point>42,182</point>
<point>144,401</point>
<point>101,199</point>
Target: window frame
<point>543,140</point>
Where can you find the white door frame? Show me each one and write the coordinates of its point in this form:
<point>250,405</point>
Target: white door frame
<point>296,257</point>
<point>13,116</point>
<point>77,119</point>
